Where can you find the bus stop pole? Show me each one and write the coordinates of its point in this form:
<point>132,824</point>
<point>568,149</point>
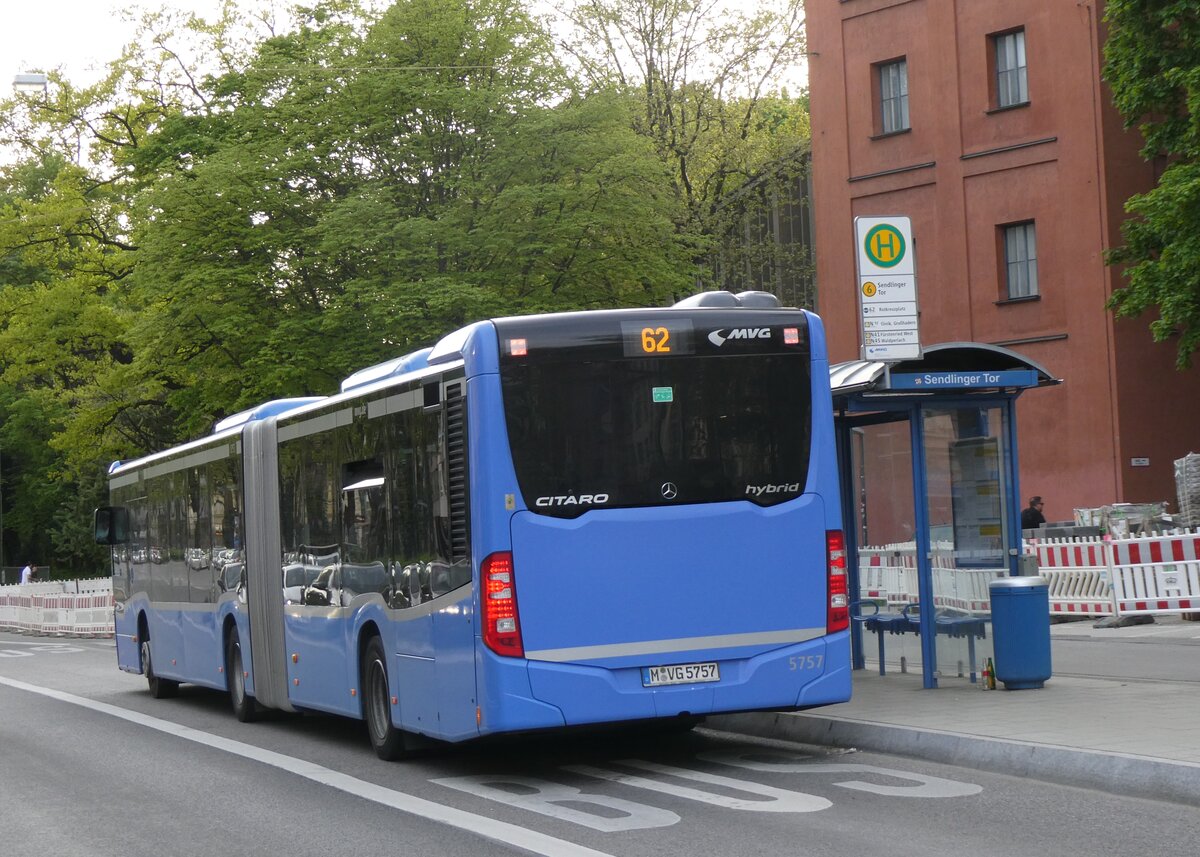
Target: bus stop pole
<point>923,547</point>
<point>1014,502</point>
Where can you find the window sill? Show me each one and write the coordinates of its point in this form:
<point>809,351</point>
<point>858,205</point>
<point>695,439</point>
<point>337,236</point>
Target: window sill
<point>892,134</point>
<point>1027,299</point>
<point>1018,106</point>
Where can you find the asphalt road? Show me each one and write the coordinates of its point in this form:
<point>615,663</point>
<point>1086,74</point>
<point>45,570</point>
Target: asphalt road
<point>91,765</point>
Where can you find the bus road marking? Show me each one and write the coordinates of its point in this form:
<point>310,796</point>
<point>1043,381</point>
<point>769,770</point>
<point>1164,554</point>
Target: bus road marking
<point>611,814</point>
<point>559,801</point>
<point>499,831</point>
<point>776,800</point>
<point>782,762</point>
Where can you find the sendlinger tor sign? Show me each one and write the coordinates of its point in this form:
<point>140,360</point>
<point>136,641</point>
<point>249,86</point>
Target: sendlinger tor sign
<point>964,380</point>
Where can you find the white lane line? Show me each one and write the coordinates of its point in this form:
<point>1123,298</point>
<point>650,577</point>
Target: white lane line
<point>509,834</point>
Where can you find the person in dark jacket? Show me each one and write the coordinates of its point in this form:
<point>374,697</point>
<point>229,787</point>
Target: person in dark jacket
<point>1032,518</point>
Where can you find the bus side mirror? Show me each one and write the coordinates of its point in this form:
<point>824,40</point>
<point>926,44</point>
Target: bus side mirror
<point>112,525</point>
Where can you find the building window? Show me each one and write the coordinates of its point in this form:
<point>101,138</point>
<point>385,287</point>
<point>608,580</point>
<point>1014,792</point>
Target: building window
<point>893,96</point>
<point>1020,260</point>
<point>1012,85</point>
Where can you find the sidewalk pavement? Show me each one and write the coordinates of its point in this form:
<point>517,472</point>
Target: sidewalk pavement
<point>1128,736</point>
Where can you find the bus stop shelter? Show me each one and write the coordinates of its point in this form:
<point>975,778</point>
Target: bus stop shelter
<point>928,453</point>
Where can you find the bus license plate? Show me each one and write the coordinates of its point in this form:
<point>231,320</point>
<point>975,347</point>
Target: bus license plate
<point>680,674</point>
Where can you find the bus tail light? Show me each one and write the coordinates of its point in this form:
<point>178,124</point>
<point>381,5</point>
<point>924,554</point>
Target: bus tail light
<point>501,626</point>
<point>838,615</point>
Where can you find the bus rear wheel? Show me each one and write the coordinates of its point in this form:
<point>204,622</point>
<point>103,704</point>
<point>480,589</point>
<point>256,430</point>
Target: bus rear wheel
<point>160,688</point>
<point>244,707</point>
<point>389,742</point>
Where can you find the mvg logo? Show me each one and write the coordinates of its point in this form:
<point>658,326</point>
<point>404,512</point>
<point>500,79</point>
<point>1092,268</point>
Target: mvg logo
<point>720,337</point>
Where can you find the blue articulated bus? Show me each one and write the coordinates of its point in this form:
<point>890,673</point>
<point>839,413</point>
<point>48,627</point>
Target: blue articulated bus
<point>541,522</point>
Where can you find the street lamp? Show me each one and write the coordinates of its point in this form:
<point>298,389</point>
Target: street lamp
<point>31,84</point>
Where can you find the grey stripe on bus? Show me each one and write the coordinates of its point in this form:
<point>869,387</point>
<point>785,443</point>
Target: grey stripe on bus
<point>683,644</point>
<point>325,422</point>
<point>222,450</point>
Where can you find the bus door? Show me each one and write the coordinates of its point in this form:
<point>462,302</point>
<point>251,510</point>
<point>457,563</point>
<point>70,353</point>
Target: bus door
<point>434,628</point>
<point>315,633</point>
<point>454,641</point>
<point>416,666</point>
<point>435,647</point>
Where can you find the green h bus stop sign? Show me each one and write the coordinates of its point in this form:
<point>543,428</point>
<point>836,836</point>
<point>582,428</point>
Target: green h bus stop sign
<point>887,289</point>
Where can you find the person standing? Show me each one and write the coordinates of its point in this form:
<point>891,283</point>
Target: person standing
<point>1032,518</point>
<point>27,573</point>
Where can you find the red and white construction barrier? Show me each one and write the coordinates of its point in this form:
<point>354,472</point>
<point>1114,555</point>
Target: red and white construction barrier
<point>1079,572</point>
<point>1079,591</point>
<point>1156,575</point>
<point>1157,550</point>
<point>1143,575</point>
<point>889,574</point>
<point>1138,576</point>
<point>965,590</point>
<point>69,609</point>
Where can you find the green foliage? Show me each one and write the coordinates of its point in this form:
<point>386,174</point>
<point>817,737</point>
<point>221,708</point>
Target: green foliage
<point>1152,64</point>
<point>709,80</point>
<point>349,199</point>
<point>1162,246</point>
<point>336,188</point>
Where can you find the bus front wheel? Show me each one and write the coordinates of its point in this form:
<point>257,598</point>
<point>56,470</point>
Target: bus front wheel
<point>388,741</point>
<point>160,688</point>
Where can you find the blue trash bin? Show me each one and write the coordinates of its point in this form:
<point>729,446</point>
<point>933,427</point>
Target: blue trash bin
<point>1021,630</point>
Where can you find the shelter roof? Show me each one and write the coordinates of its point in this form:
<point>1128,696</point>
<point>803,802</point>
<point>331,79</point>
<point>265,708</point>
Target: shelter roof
<point>871,376</point>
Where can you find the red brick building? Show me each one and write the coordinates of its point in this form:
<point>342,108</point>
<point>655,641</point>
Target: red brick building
<point>988,124</point>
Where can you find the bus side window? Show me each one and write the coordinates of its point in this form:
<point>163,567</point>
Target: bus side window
<point>405,475</point>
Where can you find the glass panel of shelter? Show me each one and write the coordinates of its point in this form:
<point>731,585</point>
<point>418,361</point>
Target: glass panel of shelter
<point>885,612</point>
<point>967,501</point>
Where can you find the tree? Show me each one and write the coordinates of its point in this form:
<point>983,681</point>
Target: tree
<point>709,80</point>
<point>66,254</point>
<point>1152,64</point>
<point>341,189</point>
<point>56,331</point>
<point>351,195</point>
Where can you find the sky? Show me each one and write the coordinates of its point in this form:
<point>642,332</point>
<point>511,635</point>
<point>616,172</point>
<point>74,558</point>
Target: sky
<point>82,36</point>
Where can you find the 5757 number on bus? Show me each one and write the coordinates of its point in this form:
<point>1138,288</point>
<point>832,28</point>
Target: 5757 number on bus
<point>805,662</point>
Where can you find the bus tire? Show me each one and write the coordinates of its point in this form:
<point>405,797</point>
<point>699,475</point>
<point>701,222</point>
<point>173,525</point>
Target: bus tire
<point>389,741</point>
<point>244,707</point>
<point>160,688</point>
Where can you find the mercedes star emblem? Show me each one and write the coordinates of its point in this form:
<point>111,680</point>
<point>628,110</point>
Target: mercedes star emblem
<point>669,490</point>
